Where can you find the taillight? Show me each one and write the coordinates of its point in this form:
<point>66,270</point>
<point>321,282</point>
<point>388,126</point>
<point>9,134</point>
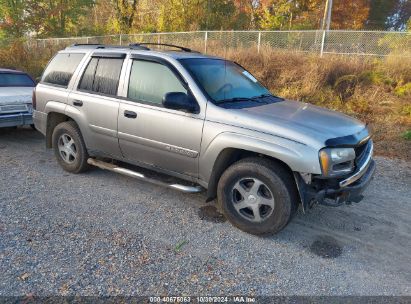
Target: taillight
<point>33,98</point>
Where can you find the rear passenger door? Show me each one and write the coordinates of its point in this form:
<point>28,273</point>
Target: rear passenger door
<point>148,132</point>
<point>95,99</point>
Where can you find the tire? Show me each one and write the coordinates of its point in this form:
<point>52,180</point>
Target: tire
<point>257,186</point>
<point>69,147</point>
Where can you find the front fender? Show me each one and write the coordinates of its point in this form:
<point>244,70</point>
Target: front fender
<point>299,157</point>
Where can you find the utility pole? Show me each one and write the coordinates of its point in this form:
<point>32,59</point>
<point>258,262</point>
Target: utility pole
<point>325,26</point>
<point>327,15</point>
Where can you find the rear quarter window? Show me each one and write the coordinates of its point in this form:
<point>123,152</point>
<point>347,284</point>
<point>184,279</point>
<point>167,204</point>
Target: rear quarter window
<point>61,69</point>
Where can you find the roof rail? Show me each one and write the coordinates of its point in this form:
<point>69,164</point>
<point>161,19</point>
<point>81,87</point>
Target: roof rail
<point>133,46</point>
<point>142,44</point>
<point>103,46</point>
<point>97,45</point>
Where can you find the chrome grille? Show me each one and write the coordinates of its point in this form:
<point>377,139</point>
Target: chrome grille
<point>13,108</point>
<point>362,151</point>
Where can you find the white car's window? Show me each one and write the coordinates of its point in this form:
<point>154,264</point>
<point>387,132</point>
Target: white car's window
<point>150,81</point>
<point>15,80</point>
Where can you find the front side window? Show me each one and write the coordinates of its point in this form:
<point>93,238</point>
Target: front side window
<point>15,80</point>
<point>223,80</point>
<point>150,81</point>
<point>61,69</point>
<point>102,75</point>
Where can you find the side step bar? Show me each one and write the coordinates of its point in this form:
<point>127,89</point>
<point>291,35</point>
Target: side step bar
<point>114,168</point>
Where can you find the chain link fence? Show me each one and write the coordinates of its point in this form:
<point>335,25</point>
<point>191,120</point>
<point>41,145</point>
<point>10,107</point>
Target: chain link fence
<point>365,43</point>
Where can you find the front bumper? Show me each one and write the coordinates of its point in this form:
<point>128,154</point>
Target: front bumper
<point>351,193</point>
<point>16,119</point>
<point>336,195</point>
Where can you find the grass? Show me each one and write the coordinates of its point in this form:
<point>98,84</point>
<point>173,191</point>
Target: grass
<point>407,135</point>
<point>374,90</point>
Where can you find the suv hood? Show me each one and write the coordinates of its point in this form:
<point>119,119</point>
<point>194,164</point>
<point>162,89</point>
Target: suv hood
<point>301,122</point>
<point>15,95</point>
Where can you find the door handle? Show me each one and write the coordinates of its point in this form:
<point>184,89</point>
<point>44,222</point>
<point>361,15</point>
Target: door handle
<point>130,114</point>
<point>78,103</point>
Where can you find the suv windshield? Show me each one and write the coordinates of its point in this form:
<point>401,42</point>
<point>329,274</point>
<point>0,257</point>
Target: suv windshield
<point>15,80</point>
<point>224,80</point>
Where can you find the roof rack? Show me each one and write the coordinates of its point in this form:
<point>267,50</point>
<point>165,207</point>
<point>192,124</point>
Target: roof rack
<point>142,44</point>
<point>96,45</point>
<point>133,46</point>
<point>104,46</point>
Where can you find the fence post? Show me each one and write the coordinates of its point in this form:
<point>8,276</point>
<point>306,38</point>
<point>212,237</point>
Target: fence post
<point>121,39</point>
<point>205,42</point>
<point>322,44</point>
<point>259,42</point>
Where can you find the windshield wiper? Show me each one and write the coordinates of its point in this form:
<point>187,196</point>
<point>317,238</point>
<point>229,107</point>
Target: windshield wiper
<point>235,99</point>
<point>266,95</point>
<point>239,99</point>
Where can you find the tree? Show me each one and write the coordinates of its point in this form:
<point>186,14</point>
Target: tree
<point>290,14</point>
<point>57,18</point>
<point>125,13</point>
<point>349,14</point>
<point>276,16</point>
<point>401,16</point>
<point>12,21</point>
<point>218,15</point>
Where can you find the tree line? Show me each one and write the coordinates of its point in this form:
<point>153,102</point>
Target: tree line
<point>62,18</point>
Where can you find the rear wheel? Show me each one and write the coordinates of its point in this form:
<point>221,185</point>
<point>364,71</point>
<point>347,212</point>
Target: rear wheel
<point>257,195</point>
<point>69,147</point>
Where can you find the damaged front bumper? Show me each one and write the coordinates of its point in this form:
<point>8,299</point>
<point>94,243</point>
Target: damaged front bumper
<point>336,192</point>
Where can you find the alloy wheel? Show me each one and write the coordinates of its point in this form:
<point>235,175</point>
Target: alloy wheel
<point>252,199</point>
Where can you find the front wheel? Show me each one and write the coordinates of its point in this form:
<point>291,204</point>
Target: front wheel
<point>69,147</point>
<point>257,195</point>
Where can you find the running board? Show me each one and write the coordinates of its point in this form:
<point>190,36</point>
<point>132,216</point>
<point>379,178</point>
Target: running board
<point>114,168</point>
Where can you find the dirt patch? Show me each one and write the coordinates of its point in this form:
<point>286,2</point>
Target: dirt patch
<point>326,247</point>
<point>210,213</point>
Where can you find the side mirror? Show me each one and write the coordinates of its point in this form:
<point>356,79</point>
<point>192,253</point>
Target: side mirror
<point>179,101</point>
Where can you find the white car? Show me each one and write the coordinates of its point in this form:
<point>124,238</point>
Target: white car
<point>16,89</point>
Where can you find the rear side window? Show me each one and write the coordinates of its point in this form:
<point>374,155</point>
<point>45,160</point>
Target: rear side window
<point>150,81</point>
<point>61,69</point>
<point>102,76</point>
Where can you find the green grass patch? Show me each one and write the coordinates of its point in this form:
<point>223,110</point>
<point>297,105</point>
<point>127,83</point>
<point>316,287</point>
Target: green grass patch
<point>180,245</point>
<point>407,135</point>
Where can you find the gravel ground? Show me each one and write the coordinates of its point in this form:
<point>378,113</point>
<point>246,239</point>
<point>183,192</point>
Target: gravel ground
<point>106,234</point>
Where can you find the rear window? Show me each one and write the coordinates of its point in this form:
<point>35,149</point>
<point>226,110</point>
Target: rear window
<point>102,76</point>
<point>61,69</point>
<point>15,80</point>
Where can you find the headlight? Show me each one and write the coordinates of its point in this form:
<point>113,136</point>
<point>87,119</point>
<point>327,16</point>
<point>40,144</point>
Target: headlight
<point>337,161</point>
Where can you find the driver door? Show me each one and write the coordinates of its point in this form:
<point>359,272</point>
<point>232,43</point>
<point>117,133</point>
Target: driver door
<point>151,134</point>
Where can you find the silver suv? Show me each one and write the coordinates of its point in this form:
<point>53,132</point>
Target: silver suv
<point>205,121</point>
